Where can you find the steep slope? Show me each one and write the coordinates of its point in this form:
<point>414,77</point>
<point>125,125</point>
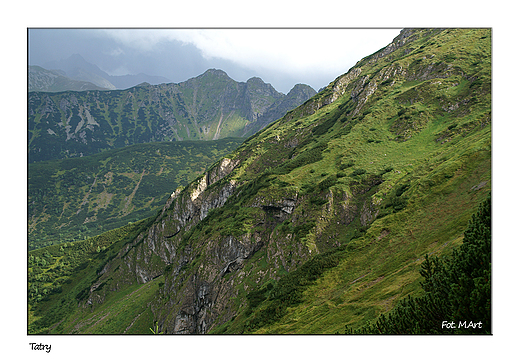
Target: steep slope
<point>296,96</point>
<point>72,199</point>
<point>207,107</point>
<point>321,219</point>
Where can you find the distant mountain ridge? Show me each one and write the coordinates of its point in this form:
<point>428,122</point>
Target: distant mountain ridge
<point>44,80</point>
<point>77,68</point>
<point>208,107</point>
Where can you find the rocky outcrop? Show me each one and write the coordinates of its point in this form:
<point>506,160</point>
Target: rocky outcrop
<point>146,256</point>
<point>202,287</point>
<point>296,96</point>
<point>238,228</point>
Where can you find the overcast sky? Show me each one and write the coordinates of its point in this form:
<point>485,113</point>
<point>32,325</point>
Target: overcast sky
<point>282,57</point>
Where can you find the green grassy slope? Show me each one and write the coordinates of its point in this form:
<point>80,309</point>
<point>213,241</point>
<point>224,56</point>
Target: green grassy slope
<point>60,275</point>
<point>433,136</point>
<point>76,198</point>
<point>440,169</point>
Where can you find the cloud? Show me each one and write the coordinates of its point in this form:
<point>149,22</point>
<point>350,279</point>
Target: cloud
<point>282,57</point>
<point>289,50</point>
<point>294,51</point>
<point>115,52</point>
<point>144,40</point>
<point>120,71</point>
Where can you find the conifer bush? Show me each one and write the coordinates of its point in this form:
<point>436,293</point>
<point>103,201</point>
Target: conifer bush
<point>457,290</point>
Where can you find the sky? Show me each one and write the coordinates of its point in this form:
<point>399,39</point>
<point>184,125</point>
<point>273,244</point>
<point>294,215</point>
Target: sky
<point>282,57</point>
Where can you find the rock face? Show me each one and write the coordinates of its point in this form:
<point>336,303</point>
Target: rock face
<point>203,267</point>
<point>296,96</point>
<point>145,258</point>
<point>208,107</point>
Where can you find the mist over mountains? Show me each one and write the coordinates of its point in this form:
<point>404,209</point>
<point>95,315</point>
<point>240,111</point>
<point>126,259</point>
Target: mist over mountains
<point>76,68</point>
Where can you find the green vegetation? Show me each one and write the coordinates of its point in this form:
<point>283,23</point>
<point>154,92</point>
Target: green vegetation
<point>426,185</point>
<point>60,276</point>
<point>457,297</point>
<point>326,217</point>
<point>269,303</point>
<point>208,107</point>
<point>72,199</point>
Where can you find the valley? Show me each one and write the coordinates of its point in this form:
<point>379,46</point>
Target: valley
<point>76,198</point>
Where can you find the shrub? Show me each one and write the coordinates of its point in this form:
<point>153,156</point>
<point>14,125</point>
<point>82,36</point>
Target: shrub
<point>307,157</point>
<point>347,165</point>
<point>401,189</point>
<point>327,183</point>
<point>456,289</point>
<point>358,172</point>
<point>270,303</point>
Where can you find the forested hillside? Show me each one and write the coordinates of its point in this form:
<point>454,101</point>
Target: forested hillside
<point>72,199</point>
<point>208,107</point>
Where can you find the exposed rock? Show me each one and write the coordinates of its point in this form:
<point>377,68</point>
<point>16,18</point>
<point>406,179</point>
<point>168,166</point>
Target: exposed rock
<point>199,108</point>
<point>209,268</point>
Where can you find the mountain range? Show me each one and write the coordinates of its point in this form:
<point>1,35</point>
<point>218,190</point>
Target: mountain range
<point>76,70</point>
<point>41,79</point>
<point>208,107</point>
<point>319,223</point>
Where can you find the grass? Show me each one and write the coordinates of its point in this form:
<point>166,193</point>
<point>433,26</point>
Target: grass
<point>438,201</point>
<point>128,308</point>
<point>373,193</point>
<point>380,271</point>
<point>97,193</point>
<point>434,223</point>
<point>61,275</point>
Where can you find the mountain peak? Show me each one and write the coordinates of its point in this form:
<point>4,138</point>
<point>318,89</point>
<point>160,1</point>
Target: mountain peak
<point>216,72</point>
<point>76,57</point>
<point>302,88</point>
<point>255,80</point>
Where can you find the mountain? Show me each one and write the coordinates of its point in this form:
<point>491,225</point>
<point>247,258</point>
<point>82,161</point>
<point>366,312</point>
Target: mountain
<point>296,96</point>
<point>76,67</point>
<point>76,198</point>
<point>319,221</point>
<point>130,80</point>
<point>207,107</point>
<point>42,80</point>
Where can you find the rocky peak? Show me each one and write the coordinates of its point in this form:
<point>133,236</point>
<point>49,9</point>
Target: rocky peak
<point>257,86</point>
<point>214,72</point>
<point>301,90</point>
